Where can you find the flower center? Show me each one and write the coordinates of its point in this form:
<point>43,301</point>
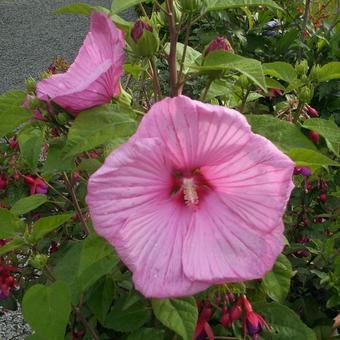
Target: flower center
<point>188,187</point>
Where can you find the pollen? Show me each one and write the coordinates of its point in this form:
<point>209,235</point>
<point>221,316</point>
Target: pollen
<point>190,192</point>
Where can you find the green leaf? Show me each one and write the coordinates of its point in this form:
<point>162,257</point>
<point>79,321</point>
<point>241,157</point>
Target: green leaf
<point>281,71</point>
<point>98,126</point>
<point>30,140</point>
<point>28,204</point>
<point>134,69</point>
<point>80,8</point>
<point>284,322</point>
<point>14,244</point>
<point>283,134</point>
<point>9,224</point>
<point>128,313</point>
<point>12,114</point>
<point>121,5</point>
<point>55,154</point>
<point>277,282</point>
<point>219,5</point>
<point>273,84</point>
<point>327,129</point>
<point>46,224</point>
<point>329,71</point>
<point>90,165</point>
<point>147,333</point>
<point>100,298</point>
<point>311,158</point>
<point>180,315</point>
<point>121,23</point>
<point>224,61</point>
<point>47,309</point>
<point>191,56</point>
<point>85,262</point>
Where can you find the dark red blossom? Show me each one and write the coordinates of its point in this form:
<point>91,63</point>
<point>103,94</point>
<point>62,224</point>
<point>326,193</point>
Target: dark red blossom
<point>138,30</point>
<point>219,43</point>
<point>36,185</point>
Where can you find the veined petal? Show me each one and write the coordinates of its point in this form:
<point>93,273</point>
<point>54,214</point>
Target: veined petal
<point>196,134</point>
<point>151,246</point>
<point>255,184</point>
<point>220,247</point>
<point>133,178</point>
<point>93,78</point>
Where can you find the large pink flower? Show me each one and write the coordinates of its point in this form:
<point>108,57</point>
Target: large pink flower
<point>93,78</point>
<point>194,198</point>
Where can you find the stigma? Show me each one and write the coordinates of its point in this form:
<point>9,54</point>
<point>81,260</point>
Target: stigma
<point>190,192</point>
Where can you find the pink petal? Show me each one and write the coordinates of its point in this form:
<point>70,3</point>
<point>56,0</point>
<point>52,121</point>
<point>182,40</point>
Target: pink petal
<point>151,246</point>
<point>133,178</point>
<point>130,205</point>
<point>93,78</point>
<point>195,133</point>
<point>220,247</point>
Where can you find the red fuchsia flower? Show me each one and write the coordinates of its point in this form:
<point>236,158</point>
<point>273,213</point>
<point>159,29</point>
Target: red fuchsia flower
<point>304,171</point>
<point>93,78</point>
<point>13,143</point>
<point>273,92</point>
<point>314,137</point>
<point>3,182</point>
<point>36,185</point>
<point>193,199</point>
<point>203,326</point>
<point>253,323</point>
<point>310,110</point>
<point>219,43</point>
<point>138,29</point>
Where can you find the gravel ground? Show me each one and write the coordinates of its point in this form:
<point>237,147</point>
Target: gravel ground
<point>30,37</point>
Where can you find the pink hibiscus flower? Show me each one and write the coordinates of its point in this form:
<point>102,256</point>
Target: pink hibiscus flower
<point>193,199</point>
<point>93,78</point>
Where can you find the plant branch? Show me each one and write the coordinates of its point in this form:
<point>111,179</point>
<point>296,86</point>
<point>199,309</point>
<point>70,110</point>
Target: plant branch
<point>76,204</point>
<point>303,28</point>
<point>173,45</point>
<point>205,93</point>
<point>155,79</point>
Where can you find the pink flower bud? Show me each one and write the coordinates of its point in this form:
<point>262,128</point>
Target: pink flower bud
<point>3,182</point>
<point>219,43</point>
<point>312,112</point>
<point>138,30</point>
<point>314,137</point>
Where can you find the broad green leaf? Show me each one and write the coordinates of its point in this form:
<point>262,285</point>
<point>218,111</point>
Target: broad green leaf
<point>311,158</point>
<point>9,224</point>
<point>46,224</point>
<point>327,129</point>
<point>97,126</point>
<point>285,323</point>
<point>273,84</point>
<point>180,315</point>
<point>329,71</point>
<point>53,163</point>
<point>14,244</point>
<point>121,5</point>
<point>128,313</point>
<point>12,114</point>
<point>83,263</point>
<point>100,298</point>
<point>30,140</point>
<point>80,8</point>
<point>47,309</point>
<point>28,204</point>
<point>277,282</point>
<point>191,56</point>
<point>219,5</point>
<point>283,134</point>
<point>280,70</point>
<point>89,165</point>
<point>134,69</point>
<point>147,333</point>
<point>223,61</point>
<point>121,23</point>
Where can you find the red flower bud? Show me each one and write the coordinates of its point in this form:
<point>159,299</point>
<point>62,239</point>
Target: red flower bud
<point>312,112</point>
<point>323,197</point>
<point>12,143</point>
<point>138,30</point>
<point>314,137</point>
<point>235,312</point>
<point>3,182</point>
<point>225,320</point>
<point>219,43</point>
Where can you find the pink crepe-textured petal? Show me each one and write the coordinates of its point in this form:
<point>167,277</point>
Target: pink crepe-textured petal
<point>219,247</point>
<point>93,78</point>
<point>133,178</point>
<point>196,134</point>
<point>151,246</point>
<point>130,205</point>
